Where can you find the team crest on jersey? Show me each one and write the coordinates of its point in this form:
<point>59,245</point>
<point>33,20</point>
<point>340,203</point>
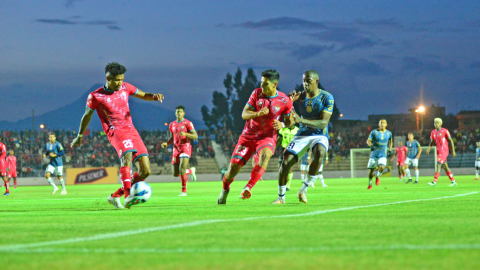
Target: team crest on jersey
<point>276,109</point>
<point>309,106</point>
<point>260,103</point>
<point>382,136</point>
<point>109,100</point>
<point>182,127</point>
<point>124,95</point>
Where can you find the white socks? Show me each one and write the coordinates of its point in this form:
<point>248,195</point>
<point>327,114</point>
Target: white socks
<point>281,191</point>
<point>50,181</point>
<point>407,172</point>
<point>320,177</point>
<point>63,183</point>
<point>370,182</point>
<point>417,173</point>
<point>310,181</point>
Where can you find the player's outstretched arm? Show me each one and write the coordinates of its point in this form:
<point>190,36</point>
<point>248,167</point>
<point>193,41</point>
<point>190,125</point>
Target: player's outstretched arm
<point>87,116</point>
<point>452,144</point>
<point>149,96</point>
<point>250,113</point>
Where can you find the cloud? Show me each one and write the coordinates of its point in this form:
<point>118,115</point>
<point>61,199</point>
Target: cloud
<point>113,27</point>
<point>70,3</point>
<point>283,23</point>
<point>56,21</point>
<point>366,67</point>
<point>100,22</point>
<point>110,24</point>
<point>347,38</point>
<point>300,52</point>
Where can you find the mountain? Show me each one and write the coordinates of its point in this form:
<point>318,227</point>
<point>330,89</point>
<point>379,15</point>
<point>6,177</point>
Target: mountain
<point>145,115</point>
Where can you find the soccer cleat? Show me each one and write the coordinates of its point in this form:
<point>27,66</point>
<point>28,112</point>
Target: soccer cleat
<point>246,193</point>
<point>409,181</point>
<point>324,186</point>
<point>132,200</point>
<point>453,184</point>
<point>194,176</point>
<point>6,194</point>
<point>432,184</point>
<point>278,201</point>
<point>115,201</point>
<point>222,199</point>
<point>287,189</point>
<point>182,194</point>
<point>377,181</point>
<point>476,178</point>
<point>302,197</point>
<point>64,192</point>
<point>416,182</point>
<point>54,190</point>
<point>312,185</point>
<point>369,187</point>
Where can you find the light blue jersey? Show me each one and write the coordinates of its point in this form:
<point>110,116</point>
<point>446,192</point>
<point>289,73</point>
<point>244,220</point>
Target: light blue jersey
<point>380,143</point>
<point>311,109</point>
<point>477,156</point>
<point>413,148</point>
<point>304,160</point>
<point>56,148</point>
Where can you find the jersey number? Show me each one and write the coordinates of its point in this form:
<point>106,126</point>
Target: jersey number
<point>241,150</point>
<point>128,143</point>
<point>290,146</point>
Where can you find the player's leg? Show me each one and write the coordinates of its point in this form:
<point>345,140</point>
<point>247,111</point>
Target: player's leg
<point>143,169</point>
<point>320,177</point>
<point>438,169</point>
<point>399,171</point>
<point>290,178</point>
<point>59,173</point>
<point>229,176</point>
<point>289,160</point>
<point>402,170</point>
<point>477,169</point>
<point>6,185</point>
<point>264,149</point>
<point>417,173</point>
<point>407,170</point>
<point>183,170</point>
<point>15,182</point>
<point>319,147</point>
<point>372,164</point>
<point>48,173</point>
<point>449,174</point>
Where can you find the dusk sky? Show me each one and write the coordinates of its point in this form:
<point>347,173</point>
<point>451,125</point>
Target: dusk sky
<point>373,56</point>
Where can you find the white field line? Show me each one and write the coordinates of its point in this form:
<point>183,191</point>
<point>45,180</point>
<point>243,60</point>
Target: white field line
<point>247,250</point>
<point>10,248</point>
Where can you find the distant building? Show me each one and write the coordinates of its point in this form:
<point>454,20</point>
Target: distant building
<point>468,120</point>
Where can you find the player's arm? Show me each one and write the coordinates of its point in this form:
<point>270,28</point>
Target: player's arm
<point>419,151</point>
<point>191,135</point>
<point>319,124</point>
<point>148,96</point>
<point>87,116</point>
<point>170,141</point>
<point>279,140</point>
<point>452,144</point>
<point>432,142</point>
<point>250,113</point>
<point>394,155</point>
<point>390,141</point>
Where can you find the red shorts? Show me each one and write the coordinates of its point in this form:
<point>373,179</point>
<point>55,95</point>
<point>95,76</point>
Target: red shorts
<point>181,151</point>
<point>3,169</point>
<point>245,148</point>
<point>400,163</point>
<point>442,157</point>
<point>12,174</point>
<point>128,140</point>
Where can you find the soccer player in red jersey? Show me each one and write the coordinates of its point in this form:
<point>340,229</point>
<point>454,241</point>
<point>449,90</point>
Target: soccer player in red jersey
<point>400,152</point>
<point>111,103</point>
<point>265,107</point>
<point>182,131</point>
<point>3,167</point>
<point>255,161</point>
<point>12,168</point>
<point>441,137</point>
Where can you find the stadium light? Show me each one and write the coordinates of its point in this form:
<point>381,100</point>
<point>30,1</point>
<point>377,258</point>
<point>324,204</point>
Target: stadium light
<point>341,115</point>
<point>166,124</point>
<point>421,109</point>
<point>42,126</point>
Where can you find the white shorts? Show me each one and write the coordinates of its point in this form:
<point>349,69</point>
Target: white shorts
<point>303,167</point>
<point>184,155</point>
<point>300,144</point>
<point>411,161</point>
<point>477,163</point>
<point>373,163</point>
<point>58,170</point>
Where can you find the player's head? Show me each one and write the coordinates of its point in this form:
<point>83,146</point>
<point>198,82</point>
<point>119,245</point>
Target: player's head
<point>270,78</point>
<point>438,122</point>
<point>400,143</point>
<point>478,144</point>
<point>114,73</point>
<point>52,137</point>
<point>11,152</point>
<point>310,80</point>
<point>410,136</point>
<point>180,112</point>
<point>382,123</point>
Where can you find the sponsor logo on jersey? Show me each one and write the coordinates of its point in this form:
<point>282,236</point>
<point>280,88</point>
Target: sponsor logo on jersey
<point>309,106</point>
<point>91,176</point>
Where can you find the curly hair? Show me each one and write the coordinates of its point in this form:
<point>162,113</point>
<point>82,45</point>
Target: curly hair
<point>115,69</point>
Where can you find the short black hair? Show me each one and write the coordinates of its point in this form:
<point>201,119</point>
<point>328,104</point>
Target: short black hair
<point>52,133</point>
<point>311,72</point>
<point>115,69</point>
<point>410,133</point>
<point>180,107</point>
<point>271,74</point>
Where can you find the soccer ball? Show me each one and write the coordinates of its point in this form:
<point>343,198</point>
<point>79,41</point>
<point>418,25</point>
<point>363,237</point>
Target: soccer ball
<point>141,191</point>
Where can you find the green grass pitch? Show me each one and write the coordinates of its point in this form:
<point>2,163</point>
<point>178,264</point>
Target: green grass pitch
<point>344,226</point>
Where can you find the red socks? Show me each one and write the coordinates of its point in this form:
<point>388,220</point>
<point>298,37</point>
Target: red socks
<point>400,176</point>
<point>450,175</point>
<point>435,177</point>
<point>15,183</point>
<point>137,178</point>
<point>184,182</point>
<point>6,187</point>
<point>188,171</point>
<point>126,180</point>
<point>257,173</point>
<point>226,186</point>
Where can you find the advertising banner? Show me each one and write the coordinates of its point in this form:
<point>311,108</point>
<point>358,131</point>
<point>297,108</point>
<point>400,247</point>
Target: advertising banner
<point>79,176</point>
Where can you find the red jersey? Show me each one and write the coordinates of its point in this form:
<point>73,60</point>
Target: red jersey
<point>440,137</point>
<point>401,153</point>
<point>261,127</point>
<point>112,107</point>
<point>3,152</point>
<point>183,126</point>
<point>12,163</point>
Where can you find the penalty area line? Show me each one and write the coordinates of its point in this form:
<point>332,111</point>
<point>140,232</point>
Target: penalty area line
<point>10,248</point>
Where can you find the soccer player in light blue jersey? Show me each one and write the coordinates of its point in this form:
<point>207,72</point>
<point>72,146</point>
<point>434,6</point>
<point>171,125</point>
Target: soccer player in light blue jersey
<point>380,141</point>
<point>414,150</point>
<point>477,160</point>
<point>54,152</point>
<point>312,110</point>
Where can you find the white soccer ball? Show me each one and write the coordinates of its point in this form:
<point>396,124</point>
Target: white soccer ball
<point>141,191</point>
